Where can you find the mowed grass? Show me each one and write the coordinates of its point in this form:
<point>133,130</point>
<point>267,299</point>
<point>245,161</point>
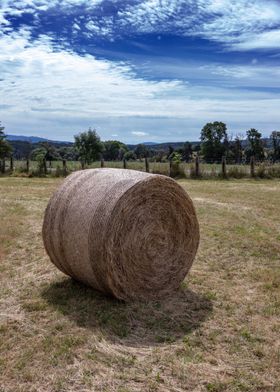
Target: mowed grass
<point>220,332</point>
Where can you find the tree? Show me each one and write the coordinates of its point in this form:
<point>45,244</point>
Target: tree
<point>39,155</point>
<point>114,150</point>
<point>141,151</point>
<point>237,150</point>
<point>159,155</point>
<point>5,147</point>
<point>214,141</point>
<point>2,134</point>
<point>187,152</point>
<point>176,157</point>
<point>130,156</point>
<point>52,153</point>
<point>275,137</point>
<point>21,149</point>
<point>170,152</point>
<point>68,153</point>
<point>255,145</point>
<point>89,146</point>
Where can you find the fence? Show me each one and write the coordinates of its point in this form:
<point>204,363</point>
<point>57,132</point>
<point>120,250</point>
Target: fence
<point>195,169</point>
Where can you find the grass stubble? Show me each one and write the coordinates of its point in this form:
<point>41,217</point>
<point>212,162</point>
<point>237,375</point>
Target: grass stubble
<point>219,333</point>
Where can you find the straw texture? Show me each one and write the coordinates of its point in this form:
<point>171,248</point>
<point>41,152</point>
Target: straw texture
<point>127,233</point>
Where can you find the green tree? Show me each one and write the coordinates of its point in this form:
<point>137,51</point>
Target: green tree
<point>176,157</point>
<point>237,150</point>
<point>187,151</point>
<point>114,150</point>
<point>39,155</point>
<point>141,151</point>
<point>170,152</point>
<point>5,147</point>
<point>275,137</point>
<point>130,156</point>
<point>2,134</point>
<point>255,145</point>
<point>68,153</point>
<point>52,153</point>
<point>21,149</point>
<point>214,141</point>
<point>45,152</point>
<point>159,155</point>
<point>88,146</point>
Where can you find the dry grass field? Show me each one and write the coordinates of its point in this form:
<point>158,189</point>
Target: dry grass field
<point>221,332</point>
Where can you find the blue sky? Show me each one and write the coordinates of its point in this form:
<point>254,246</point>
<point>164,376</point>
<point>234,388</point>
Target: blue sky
<point>152,70</point>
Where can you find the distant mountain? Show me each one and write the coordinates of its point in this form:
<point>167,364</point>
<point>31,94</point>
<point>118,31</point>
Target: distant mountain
<point>33,139</point>
<point>29,139</point>
<point>162,146</point>
<point>150,145</point>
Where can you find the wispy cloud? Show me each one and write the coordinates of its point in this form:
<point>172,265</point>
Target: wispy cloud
<point>141,134</point>
<point>62,92</point>
<point>238,25</point>
<point>263,40</point>
<point>49,84</point>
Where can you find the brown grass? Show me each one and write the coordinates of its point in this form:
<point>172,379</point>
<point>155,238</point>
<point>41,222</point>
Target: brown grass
<point>219,333</point>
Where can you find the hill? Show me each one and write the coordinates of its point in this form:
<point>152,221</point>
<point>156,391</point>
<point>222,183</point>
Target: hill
<point>33,139</point>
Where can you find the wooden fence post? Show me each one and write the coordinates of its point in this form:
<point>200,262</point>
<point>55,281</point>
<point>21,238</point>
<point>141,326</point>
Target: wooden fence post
<point>224,167</point>
<point>170,168</point>
<point>64,167</point>
<point>45,166</point>
<point>147,165</point>
<point>83,165</point>
<point>124,163</point>
<point>197,170</point>
<point>27,165</point>
<point>3,166</point>
<point>252,166</point>
<point>12,164</point>
<point>102,163</point>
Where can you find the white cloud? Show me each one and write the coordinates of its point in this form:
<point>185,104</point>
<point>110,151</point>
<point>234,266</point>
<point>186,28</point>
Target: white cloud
<point>252,75</point>
<point>17,8</point>
<point>57,94</point>
<point>238,24</point>
<point>265,40</point>
<point>141,134</point>
<point>43,86</point>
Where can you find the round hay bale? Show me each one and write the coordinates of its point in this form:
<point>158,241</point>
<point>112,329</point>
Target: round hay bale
<point>127,233</point>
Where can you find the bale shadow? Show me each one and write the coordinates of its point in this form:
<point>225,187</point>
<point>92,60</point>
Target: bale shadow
<point>134,324</point>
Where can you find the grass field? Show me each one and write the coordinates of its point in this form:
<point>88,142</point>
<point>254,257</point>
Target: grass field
<point>221,332</point>
<point>185,170</point>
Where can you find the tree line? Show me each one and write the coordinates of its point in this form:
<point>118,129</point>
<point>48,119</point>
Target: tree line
<point>215,144</point>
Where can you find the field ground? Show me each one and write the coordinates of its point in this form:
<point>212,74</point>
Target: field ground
<point>219,333</point>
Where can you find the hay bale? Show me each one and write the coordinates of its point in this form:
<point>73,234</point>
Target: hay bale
<point>130,234</point>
